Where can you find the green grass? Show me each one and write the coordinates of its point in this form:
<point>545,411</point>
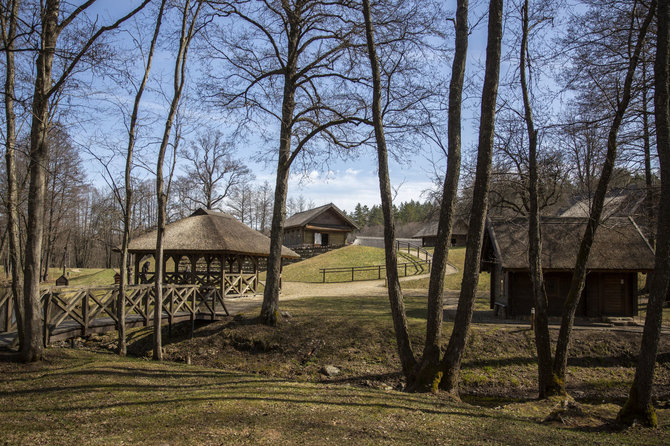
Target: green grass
<point>251,384</point>
<point>452,281</point>
<point>84,276</point>
<point>353,255</point>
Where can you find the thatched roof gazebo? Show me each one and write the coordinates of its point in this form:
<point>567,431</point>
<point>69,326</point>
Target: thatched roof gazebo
<point>207,248</point>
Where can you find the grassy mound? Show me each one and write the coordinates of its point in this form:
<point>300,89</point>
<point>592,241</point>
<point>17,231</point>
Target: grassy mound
<point>348,256</point>
<point>452,281</point>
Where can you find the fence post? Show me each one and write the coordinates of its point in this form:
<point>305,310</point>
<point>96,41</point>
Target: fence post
<point>379,272</point>
<point>170,313</point>
<point>47,311</point>
<point>352,273</point>
<point>147,294</point>
<point>84,314</point>
<point>193,309</point>
<point>324,275</point>
<point>405,269</point>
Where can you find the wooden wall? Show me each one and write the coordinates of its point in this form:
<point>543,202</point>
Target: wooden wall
<point>605,294</point>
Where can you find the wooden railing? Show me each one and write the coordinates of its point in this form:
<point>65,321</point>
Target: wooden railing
<point>84,309</point>
<point>354,273</point>
<point>412,248</point>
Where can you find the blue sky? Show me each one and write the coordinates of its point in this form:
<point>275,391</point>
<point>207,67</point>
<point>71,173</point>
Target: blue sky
<point>343,182</point>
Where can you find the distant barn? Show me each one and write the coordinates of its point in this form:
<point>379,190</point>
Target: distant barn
<point>428,234</point>
<point>323,226</point>
<point>619,253</point>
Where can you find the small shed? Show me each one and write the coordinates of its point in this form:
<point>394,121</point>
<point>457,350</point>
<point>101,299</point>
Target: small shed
<point>619,253</point>
<point>428,234</point>
<point>326,225</point>
<point>207,248</point>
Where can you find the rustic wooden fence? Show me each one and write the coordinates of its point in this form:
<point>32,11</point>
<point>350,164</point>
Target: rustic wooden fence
<point>414,249</point>
<point>79,311</point>
<point>373,272</point>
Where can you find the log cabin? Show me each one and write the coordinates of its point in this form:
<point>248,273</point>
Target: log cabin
<point>325,225</point>
<point>428,234</point>
<point>619,254</point>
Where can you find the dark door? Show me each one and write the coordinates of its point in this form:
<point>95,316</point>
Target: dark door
<point>324,239</point>
<point>614,295</point>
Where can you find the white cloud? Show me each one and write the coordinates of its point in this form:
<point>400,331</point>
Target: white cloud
<point>347,188</point>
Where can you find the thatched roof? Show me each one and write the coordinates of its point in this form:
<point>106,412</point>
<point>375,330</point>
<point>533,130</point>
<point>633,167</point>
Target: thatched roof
<point>620,203</point>
<point>305,217</point>
<point>208,232</point>
<point>618,245</point>
<point>430,229</point>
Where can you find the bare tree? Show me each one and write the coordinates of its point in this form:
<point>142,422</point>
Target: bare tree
<point>128,187</point>
<point>426,375</point>
<point>407,359</point>
<point>579,272</point>
<point>450,365</point>
<point>8,28</point>
<point>283,66</point>
<point>546,382</point>
<point>638,406</point>
<point>65,178</point>
<point>45,87</point>
<point>189,18</point>
<point>213,171</point>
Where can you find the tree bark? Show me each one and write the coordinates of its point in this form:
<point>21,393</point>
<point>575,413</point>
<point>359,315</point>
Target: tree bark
<point>33,347</point>
<point>16,266</point>
<point>638,406</point>
<point>450,365</point>
<point>270,305</point>
<point>579,273</point>
<point>546,384</point>
<point>407,359</point>
<point>127,210</point>
<point>427,377</point>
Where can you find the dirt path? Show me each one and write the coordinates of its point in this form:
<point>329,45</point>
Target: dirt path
<point>301,290</point>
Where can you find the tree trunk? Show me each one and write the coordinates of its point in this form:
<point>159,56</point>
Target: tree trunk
<point>187,31</point>
<point>10,161</point>
<point>638,407</point>
<point>407,359</point>
<point>546,384</point>
<point>270,306</point>
<point>579,274</point>
<point>127,210</point>
<point>649,207</point>
<point>427,374</point>
<point>451,363</point>
<point>33,346</point>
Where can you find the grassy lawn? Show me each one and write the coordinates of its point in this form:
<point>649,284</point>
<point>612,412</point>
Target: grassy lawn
<point>452,281</point>
<point>250,384</point>
<point>79,397</point>
<point>353,255</point>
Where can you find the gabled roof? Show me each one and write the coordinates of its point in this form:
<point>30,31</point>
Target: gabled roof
<point>208,232</point>
<point>618,244</point>
<point>305,217</point>
<point>430,229</point>
<point>621,203</point>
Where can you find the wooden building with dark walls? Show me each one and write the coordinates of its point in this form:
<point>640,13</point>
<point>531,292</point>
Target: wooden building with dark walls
<point>208,248</point>
<point>428,234</point>
<point>326,225</point>
<point>619,253</point>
